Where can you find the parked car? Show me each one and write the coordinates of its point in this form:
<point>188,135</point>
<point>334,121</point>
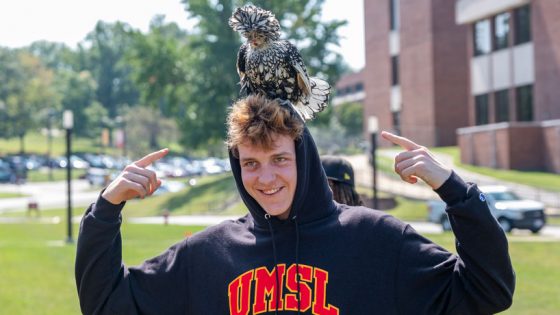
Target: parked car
<point>510,210</point>
<point>7,175</point>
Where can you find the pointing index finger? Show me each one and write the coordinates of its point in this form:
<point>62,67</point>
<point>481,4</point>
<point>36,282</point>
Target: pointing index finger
<point>151,158</point>
<point>405,143</point>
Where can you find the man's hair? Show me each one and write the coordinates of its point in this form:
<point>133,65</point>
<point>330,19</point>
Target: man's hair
<point>258,120</point>
<point>344,193</point>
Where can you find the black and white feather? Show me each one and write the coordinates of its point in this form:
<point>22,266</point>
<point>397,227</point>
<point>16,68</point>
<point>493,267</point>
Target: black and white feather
<point>274,67</point>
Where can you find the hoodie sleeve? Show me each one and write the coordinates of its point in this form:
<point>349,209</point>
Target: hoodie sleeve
<point>479,280</point>
<point>106,286</point>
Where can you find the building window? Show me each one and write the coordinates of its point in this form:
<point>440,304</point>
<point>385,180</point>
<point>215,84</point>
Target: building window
<point>394,14</point>
<point>501,31</point>
<point>341,91</point>
<point>524,98</point>
<point>522,22</point>
<point>481,37</point>
<point>501,99</point>
<point>481,109</point>
<point>394,70</point>
<point>359,87</point>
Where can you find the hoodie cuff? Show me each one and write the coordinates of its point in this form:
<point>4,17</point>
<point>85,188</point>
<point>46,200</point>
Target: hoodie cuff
<point>453,190</point>
<point>106,211</point>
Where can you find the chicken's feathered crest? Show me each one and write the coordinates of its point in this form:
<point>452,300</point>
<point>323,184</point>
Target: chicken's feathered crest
<point>254,19</point>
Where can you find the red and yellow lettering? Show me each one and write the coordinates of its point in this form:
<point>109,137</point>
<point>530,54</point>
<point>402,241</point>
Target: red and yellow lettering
<point>239,291</point>
<point>320,306</point>
<point>266,286</point>
<point>306,273</point>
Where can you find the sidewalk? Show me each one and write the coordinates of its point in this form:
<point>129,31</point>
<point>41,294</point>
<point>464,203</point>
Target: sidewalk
<point>394,185</point>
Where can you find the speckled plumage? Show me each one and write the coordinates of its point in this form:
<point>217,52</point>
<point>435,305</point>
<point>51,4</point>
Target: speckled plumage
<point>275,67</point>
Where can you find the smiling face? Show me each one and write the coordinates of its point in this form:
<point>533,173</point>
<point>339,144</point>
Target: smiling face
<point>256,39</point>
<point>270,176</point>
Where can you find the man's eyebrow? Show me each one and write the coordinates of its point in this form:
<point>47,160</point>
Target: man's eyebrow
<point>283,153</point>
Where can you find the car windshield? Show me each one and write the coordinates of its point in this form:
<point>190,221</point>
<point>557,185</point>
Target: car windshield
<point>504,196</point>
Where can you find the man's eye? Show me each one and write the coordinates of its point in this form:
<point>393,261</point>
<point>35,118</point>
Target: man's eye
<point>281,159</point>
<point>250,164</point>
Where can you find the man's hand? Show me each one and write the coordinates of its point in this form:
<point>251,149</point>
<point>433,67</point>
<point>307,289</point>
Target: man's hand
<point>417,162</point>
<point>135,180</point>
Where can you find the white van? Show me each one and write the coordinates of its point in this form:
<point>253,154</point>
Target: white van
<point>510,210</point>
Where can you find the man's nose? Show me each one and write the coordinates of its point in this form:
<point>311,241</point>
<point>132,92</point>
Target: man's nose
<point>267,175</point>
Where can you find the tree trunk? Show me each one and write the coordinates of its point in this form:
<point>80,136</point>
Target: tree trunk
<point>21,143</point>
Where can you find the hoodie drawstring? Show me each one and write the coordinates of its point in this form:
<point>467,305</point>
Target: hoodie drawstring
<point>278,289</point>
<point>267,217</point>
<point>297,263</point>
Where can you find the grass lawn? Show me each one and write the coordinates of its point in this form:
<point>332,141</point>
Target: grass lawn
<point>38,268</point>
<point>37,143</point>
<point>10,195</point>
<point>547,181</point>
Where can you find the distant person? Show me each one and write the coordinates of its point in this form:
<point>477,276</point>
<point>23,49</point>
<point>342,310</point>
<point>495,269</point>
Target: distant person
<point>297,251</point>
<point>340,175</point>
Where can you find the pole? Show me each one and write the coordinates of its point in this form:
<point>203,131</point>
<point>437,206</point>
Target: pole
<point>374,166</point>
<point>49,146</point>
<point>69,238</point>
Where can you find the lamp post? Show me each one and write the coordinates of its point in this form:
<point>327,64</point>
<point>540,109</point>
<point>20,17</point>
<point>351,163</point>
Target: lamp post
<point>373,127</point>
<point>50,115</point>
<point>68,124</point>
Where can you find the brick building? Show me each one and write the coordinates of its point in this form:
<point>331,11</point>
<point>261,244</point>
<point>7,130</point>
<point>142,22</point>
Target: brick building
<point>514,76</point>
<point>415,74</point>
<point>350,89</point>
<point>482,74</point>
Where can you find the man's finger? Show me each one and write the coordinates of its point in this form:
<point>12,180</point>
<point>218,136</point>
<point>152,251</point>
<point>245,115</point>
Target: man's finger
<point>402,141</point>
<point>151,158</point>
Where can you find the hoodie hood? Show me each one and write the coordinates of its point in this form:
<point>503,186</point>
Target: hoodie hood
<point>313,197</point>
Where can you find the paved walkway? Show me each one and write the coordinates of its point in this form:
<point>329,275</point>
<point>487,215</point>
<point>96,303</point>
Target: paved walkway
<point>394,185</point>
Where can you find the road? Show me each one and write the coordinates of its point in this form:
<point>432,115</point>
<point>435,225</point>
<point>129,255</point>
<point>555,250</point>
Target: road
<point>48,195</point>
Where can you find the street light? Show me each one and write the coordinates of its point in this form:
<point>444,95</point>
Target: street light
<point>373,127</point>
<point>50,115</point>
<point>68,124</point>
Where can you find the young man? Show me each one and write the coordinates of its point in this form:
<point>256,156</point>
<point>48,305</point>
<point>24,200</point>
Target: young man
<point>340,175</point>
<point>297,251</point>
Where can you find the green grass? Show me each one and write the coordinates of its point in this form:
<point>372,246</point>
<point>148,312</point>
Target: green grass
<point>537,270</point>
<point>10,195</point>
<point>38,268</point>
<point>547,181</point>
<point>37,143</point>
<point>211,195</point>
<point>409,210</point>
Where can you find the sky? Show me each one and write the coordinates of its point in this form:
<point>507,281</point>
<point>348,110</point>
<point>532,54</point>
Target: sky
<point>25,21</point>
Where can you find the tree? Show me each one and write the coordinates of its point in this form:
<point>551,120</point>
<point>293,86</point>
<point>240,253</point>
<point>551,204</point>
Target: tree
<point>213,84</point>
<point>106,61</point>
<point>147,123</point>
<point>160,65</point>
<point>78,93</point>
<point>26,88</point>
<point>351,117</point>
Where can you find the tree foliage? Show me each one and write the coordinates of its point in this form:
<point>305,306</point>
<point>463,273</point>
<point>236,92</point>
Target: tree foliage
<point>214,46</point>
<point>106,61</point>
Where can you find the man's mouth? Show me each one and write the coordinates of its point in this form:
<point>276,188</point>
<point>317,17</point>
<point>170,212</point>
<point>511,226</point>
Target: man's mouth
<point>271,191</point>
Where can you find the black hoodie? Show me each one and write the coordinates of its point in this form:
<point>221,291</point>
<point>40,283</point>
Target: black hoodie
<point>351,260</point>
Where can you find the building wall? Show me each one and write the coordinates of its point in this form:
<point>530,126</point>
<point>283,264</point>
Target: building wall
<point>377,76</point>
<point>529,146</point>
<point>432,90</point>
<point>450,73</point>
<point>417,72</point>
<point>545,23</point>
<point>551,146</point>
